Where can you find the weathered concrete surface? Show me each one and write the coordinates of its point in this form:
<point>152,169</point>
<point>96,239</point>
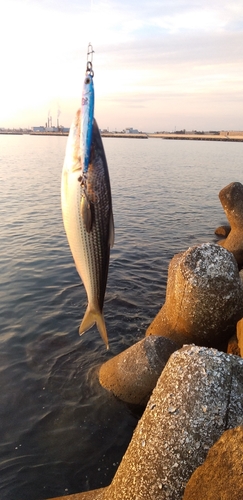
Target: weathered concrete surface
<point>198,397</point>
<point>239,329</point>
<point>233,346</point>
<point>132,374</point>
<point>204,298</point>
<point>240,336</point>
<point>223,231</point>
<point>87,495</point>
<point>221,475</point>
<point>231,198</point>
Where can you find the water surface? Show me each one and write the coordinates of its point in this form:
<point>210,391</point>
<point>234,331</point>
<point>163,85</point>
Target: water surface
<point>60,431</point>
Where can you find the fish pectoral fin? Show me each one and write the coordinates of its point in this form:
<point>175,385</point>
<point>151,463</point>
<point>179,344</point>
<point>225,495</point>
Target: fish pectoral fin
<point>91,317</point>
<point>86,213</point>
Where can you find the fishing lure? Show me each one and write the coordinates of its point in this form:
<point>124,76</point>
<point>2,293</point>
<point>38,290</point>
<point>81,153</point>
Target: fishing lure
<point>87,112</point>
<point>86,128</point>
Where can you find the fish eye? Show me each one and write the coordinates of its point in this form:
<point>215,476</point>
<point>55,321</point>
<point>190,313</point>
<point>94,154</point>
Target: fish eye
<point>87,79</point>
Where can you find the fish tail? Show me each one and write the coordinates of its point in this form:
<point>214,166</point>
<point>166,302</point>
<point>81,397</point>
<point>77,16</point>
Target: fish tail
<point>91,317</point>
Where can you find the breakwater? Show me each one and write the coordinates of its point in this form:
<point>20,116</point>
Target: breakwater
<point>124,136</point>
<point>230,136</point>
<point>221,136</point>
<point>225,137</point>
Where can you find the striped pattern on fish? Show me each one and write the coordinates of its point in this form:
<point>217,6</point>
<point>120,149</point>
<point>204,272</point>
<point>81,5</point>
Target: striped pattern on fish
<point>90,244</point>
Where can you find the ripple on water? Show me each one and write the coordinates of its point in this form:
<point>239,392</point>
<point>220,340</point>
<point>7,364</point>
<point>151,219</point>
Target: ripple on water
<point>60,431</point>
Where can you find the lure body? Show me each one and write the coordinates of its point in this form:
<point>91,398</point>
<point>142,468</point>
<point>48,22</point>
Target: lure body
<point>87,117</point>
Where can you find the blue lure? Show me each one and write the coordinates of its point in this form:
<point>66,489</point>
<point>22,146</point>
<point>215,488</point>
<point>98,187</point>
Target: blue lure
<point>87,114</point>
<point>86,129</point>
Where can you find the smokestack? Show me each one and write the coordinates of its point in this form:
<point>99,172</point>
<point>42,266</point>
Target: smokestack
<point>48,121</point>
<point>58,114</point>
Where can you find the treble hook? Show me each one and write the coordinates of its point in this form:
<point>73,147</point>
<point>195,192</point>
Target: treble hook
<point>89,66</point>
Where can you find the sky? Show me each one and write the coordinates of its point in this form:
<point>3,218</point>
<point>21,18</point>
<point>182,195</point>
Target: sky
<point>159,65</point>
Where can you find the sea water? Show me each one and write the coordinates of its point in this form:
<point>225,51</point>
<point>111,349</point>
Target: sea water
<point>61,433</point>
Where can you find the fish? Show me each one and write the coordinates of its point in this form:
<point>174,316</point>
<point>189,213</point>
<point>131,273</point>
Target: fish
<point>88,220</point>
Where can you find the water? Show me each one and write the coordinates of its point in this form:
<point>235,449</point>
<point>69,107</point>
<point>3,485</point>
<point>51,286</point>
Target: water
<point>61,433</point>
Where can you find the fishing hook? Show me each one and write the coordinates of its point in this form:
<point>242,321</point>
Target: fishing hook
<point>89,67</point>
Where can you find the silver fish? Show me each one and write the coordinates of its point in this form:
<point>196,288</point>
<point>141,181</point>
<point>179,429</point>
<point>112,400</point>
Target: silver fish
<point>88,221</point>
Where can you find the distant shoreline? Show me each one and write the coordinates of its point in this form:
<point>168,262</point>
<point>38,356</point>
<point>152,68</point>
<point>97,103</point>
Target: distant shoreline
<point>221,136</point>
<point>17,132</point>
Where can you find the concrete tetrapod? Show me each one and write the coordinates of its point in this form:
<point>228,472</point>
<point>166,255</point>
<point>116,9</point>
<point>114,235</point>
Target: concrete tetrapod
<point>231,198</point>
<point>220,476</point>
<point>132,374</point>
<point>87,495</point>
<point>204,298</point>
<point>198,396</point>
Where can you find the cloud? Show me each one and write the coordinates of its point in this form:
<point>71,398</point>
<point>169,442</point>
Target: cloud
<point>149,56</point>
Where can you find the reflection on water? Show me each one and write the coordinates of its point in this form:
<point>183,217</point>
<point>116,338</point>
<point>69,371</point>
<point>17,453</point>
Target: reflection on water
<point>60,431</point>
